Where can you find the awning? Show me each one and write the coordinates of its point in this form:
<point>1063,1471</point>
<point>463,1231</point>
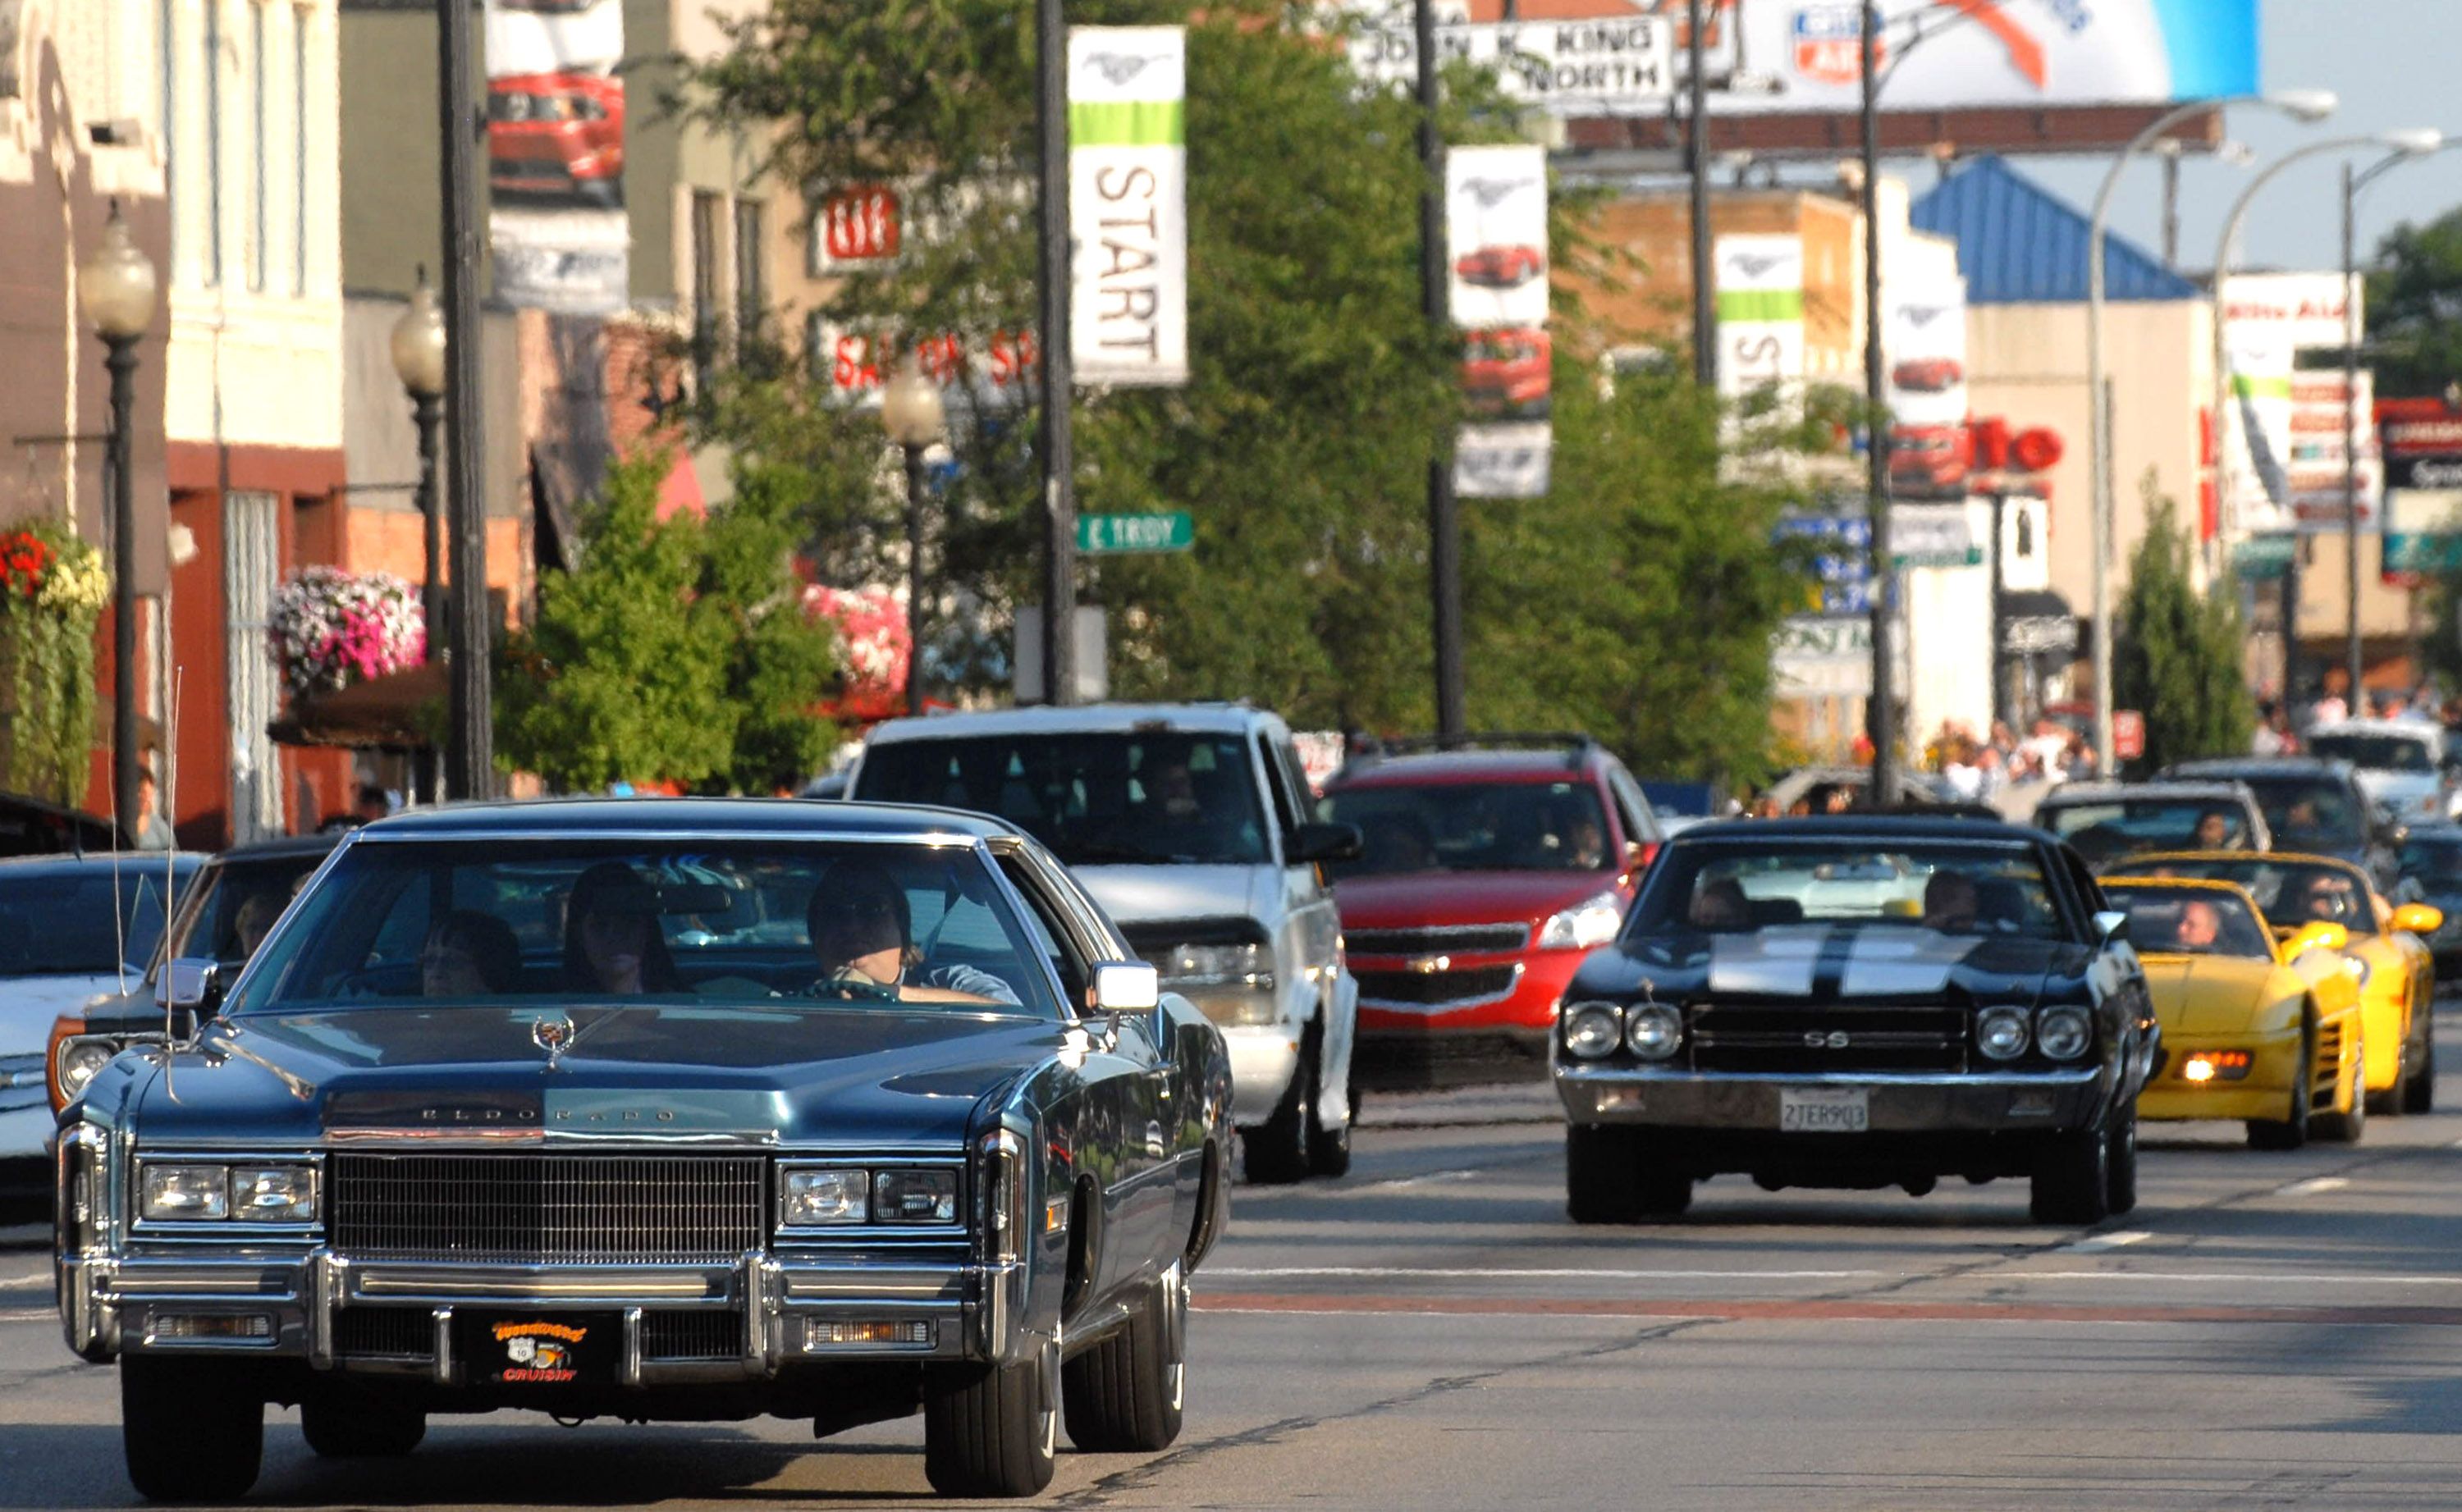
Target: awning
<point>2039,622</point>
<point>401,711</point>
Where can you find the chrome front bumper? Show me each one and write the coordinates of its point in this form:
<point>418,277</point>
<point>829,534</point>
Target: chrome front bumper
<point>109,1305</point>
<point>1906,1102</point>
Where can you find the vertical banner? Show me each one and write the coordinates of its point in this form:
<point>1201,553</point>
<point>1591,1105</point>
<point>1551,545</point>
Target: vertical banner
<point>1128,206</point>
<point>556,154</point>
<point>2281,435</point>
<point>1496,233</point>
<point>1760,313</point>
<point>1922,335</point>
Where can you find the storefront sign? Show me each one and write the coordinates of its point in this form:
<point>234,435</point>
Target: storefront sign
<point>1605,65</point>
<point>1128,206</point>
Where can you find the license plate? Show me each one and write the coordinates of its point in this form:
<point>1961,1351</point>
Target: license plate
<point>1823,1110</point>
<point>536,1350</point>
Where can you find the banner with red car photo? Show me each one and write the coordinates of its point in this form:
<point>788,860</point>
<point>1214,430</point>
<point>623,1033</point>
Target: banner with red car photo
<point>556,154</point>
<point>1496,236</point>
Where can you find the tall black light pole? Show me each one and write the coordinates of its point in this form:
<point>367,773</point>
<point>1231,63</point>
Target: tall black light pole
<point>1882,711</point>
<point>1059,474</point>
<point>470,747</point>
<point>911,413</point>
<point>419,360</point>
<point>1705,286</point>
<point>115,291</point>
<point>1444,524</point>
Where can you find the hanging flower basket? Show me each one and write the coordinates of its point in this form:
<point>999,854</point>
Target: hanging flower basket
<point>331,628</point>
<point>53,588</point>
<point>872,639</point>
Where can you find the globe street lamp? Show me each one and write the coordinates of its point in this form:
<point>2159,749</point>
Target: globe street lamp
<point>2403,144</point>
<point>911,413</point>
<point>116,292</point>
<point>419,360</point>
<point>2308,105</point>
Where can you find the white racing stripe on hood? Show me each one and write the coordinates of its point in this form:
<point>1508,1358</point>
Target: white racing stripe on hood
<point>1885,962</point>
<point>1776,962</point>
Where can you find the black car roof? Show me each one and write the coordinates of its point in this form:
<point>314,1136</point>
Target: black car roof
<point>1865,826</point>
<point>2245,767</point>
<point>286,846</point>
<point>764,817</point>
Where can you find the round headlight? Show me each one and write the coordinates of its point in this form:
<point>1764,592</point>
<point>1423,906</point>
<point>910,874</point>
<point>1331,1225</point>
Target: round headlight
<point>2000,1032</point>
<point>1653,1030</point>
<point>2064,1033</point>
<point>1593,1030</point>
<point>79,1060</point>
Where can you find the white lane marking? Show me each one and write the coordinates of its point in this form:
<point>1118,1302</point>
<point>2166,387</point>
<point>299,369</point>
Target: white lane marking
<point>1400,1182</point>
<point>1469,1273</point>
<point>34,1283</point>
<point>2096,1243</point>
<point>2312,1186</point>
<point>28,1315</point>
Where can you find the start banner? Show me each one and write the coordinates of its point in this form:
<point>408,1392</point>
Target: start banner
<point>1128,206</point>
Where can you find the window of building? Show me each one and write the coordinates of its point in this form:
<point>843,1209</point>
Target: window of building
<point>752,293</point>
<point>213,142</point>
<point>260,91</point>
<point>252,562</point>
<point>300,20</point>
<point>708,232</point>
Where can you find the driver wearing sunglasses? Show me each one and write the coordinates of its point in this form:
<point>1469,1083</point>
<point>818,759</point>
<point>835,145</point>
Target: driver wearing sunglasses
<point>863,934</point>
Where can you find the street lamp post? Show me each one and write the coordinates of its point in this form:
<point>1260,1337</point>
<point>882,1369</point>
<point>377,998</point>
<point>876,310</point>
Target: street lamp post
<point>911,413</point>
<point>2403,144</point>
<point>2303,104</point>
<point>419,361</point>
<point>115,291</point>
<point>2419,144</point>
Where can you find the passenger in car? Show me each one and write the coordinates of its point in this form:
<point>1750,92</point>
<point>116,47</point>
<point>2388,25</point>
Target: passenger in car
<point>1949,903</point>
<point>862,931</point>
<point>612,944</point>
<point>469,954</point>
<point>1721,906</point>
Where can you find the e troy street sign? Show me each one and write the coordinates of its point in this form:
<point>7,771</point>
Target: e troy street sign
<point>1112,535</point>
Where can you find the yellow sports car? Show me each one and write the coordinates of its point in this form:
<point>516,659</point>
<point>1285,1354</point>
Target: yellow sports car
<point>2264,1031</point>
<point>2397,973</point>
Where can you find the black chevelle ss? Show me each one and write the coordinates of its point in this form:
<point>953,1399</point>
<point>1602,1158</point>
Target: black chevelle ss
<point>1858,1002</point>
<point>651,1109</point>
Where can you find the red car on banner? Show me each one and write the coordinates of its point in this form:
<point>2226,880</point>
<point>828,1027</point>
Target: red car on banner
<point>1501,266</point>
<point>1506,375</point>
<point>556,139</point>
<point>1487,875</point>
<point>1929,461</point>
<point>1928,374</point>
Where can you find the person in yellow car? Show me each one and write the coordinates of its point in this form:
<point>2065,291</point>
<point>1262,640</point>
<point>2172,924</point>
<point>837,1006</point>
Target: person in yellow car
<point>2387,952</point>
<point>2265,1032</point>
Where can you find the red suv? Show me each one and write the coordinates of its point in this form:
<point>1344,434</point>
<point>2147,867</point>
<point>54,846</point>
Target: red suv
<point>1490,868</point>
<point>556,139</point>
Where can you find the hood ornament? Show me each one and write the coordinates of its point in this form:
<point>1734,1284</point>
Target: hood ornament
<point>554,1035</point>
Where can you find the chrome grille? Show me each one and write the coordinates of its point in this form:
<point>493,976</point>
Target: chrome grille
<point>1471,984</point>
<point>398,1332</point>
<point>1437,938</point>
<point>701,1335</point>
<point>548,1207</point>
<point>1730,1037</point>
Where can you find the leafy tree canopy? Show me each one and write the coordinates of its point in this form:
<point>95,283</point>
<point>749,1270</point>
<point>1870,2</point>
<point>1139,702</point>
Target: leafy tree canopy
<point>2414,309</point>
<point>2178,656</point>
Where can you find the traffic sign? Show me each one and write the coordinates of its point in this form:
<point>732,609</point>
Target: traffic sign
<point>1115,534</point>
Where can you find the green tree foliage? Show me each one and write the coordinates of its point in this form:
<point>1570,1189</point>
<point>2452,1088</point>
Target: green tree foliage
<point>2178,656</point>
<point>1301,445</point>
<point>677,650</point>
<point>2414,309</point>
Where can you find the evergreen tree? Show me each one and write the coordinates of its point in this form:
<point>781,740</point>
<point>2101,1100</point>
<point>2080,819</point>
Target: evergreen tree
<point>2178,657</point>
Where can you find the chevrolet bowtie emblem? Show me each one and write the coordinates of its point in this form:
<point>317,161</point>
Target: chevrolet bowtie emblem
<point>1431,965</point>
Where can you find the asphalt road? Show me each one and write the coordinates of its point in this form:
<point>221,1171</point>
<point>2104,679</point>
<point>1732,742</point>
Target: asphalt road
<point>2265,1330</point>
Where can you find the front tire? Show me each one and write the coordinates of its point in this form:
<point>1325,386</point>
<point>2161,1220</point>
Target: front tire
<point>1279,1150</point>
<point>2072,1180</point>
<point>191,1430</point>
<point>2420,1096</point>
<point>2291,1132</point>
<point>349,1429</point>
<point>1125,1394</point>
<point>2120,1186</point>
<point>992,1430</point>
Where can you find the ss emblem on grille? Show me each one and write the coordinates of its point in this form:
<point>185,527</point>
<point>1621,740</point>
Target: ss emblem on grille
<point>1835,1039</point>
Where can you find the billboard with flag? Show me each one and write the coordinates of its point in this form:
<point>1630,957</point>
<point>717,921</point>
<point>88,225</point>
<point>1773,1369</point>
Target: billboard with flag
<point>1128,204</point>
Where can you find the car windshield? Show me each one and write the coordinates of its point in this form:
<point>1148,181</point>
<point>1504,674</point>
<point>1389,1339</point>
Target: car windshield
<point>2290,893</point>
<point>2101,830</point>
<point>1150,798</point>
<point>2190,920</point>
<point>1956,889</point>
<point>728,923</point>
<point>2434,862</point>
<point>1472,827</point>
<point>2381,752</point>
<point>233,905</point>
<point>53,925</point>
<point>2309,811</point>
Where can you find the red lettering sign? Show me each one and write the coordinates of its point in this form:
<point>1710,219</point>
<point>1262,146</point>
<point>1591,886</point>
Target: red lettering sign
<point>861,224</point>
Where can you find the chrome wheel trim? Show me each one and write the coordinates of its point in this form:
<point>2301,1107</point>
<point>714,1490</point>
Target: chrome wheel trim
<point>1047,1374</point>
<point>1175,1334</point>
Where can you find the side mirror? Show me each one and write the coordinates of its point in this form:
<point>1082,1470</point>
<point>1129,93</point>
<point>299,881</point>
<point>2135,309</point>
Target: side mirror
<point>1127,987</point>
<point>2418,918</point>
<point>1639,854</point>
<point>2111,926</point>
<point>1321,841</point>
<point>2318,936</point>
<point>193,983</point>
